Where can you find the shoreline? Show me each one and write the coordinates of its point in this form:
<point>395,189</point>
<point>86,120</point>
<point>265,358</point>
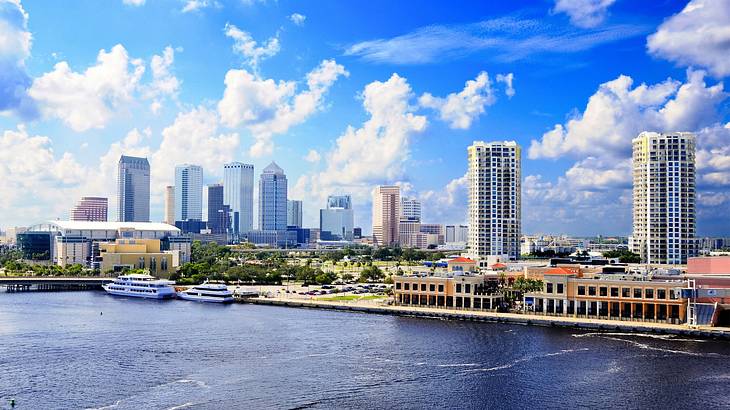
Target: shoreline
<point>507,318</point>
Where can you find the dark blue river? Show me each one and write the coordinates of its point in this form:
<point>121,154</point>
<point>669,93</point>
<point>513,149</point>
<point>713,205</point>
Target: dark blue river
<point>58,351</point>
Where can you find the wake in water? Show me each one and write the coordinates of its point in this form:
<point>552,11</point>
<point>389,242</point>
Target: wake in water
<point>616,336</point>
<point>523,360</point>
<point>674,338</point>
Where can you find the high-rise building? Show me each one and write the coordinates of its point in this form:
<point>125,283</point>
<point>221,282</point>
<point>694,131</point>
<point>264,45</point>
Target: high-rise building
<point>272,199</point>
<point>664,197</point>
<point>386,215</point>
<point>337,221</point>
<point>90,208</point>
<point>238,195</point>
<point>170,205</point>
<point>294,213</point>
<point>410,210</point>
<point>133,189</point>
<point>188,193</point>
<point>457,233</point>
<point>494,200</point>
<point>218,213</point>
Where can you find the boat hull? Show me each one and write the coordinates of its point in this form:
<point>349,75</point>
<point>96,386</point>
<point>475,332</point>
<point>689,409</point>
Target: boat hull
<point>203,298</point>
<point>128,293</point>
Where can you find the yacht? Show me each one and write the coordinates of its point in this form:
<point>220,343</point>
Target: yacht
<point>207,292</point>
<point>141,286</point>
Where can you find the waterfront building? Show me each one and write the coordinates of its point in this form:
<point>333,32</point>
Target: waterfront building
<point>664,225</point>
<point>90,208</point>
<point>238,195</point>
<point>272,199</point>
<point>336,222</point>
<point>188,193</point>
<point>386,215</point>
<point>410,210</point>
<point>464,291</point>
<point>294,213</point>
<point>124,254</point>
<point>494,214</point>
<point>133,189</point>
<point>169,205</point>
<point>457,233</point>
<point>218,213</point>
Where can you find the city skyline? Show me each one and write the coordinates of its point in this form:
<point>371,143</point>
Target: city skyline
<point>574,109</point>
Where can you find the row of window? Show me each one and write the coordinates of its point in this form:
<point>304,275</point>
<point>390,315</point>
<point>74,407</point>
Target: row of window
<point>615,291</point>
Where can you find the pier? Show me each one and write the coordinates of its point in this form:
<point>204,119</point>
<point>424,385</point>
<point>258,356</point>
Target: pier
<point>52,284</point>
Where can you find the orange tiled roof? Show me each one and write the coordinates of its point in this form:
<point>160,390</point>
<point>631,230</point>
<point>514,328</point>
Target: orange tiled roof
<point>462,259</point>
<point>498,266</point>
<point>559,271</point>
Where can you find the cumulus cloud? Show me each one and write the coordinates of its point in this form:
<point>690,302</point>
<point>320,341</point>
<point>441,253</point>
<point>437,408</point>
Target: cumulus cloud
<point>460,109</point>
<point>133,2</point>
<point>312,156</point>
<point>698,36</point>
<point>196,5</point>
<point>267,108</point>
<point>15,45</point>
<point>164,83</point>
<point>507,80</point>
<point>87,100</point>
<point>297,19</point>
<point>584,13</point>
<point>448,205</point>
<point>246,46</point>
<point>618,112</point>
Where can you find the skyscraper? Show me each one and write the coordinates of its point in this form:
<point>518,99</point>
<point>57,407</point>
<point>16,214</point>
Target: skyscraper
<point>386,215</point>
<point>218,213</point>
<point>170,205</point>
<point>410,210</point>
<point>336,222</point>
<point>664,197</point>
<point>188,193</point>
<point>495,199</point>
<point>294,213</point>
<point>90,208</point>
<point>272,199</point>
<point>133,189</point>
<point>457,233</point>
<point>238,195</point>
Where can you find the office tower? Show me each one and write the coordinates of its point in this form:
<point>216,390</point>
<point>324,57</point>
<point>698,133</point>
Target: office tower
<point>294,213</point>
<point>218,213</point>
<point>410,210</point>
<point>188,193</point>
<point>494,200</point>
<point>133,189</point>
<point>90,208</point>
<point>169,205</point>
<point>457,233</point>
<point>238,195</point>
<point>357,233</point>
<point>336,222</point>
<point>272,199</point>
<point>386,215</point>
<point>664,197</point>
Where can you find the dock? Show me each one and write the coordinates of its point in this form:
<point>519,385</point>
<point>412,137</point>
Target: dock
<point>51,284</point>
<point>506,318</point>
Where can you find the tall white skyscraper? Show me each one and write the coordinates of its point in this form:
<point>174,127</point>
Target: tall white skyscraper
<point>337,221</point>
<point>133,189</point>
<point>664,197</point>
<point>188,192</point>
<point>170,205</point>
<point>495,200</point>
<point>294,213</point>
<point>238,195</point>
<point>272,199</point>
<point>410,210</point>
<point>386,215</point>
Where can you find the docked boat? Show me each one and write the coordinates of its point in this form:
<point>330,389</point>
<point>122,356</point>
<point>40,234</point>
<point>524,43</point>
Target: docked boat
<point>141,286</point>
<point>207,292</point>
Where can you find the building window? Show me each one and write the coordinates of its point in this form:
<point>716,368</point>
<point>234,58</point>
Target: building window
<point>397,285</point>
<point>423,287</point>
<point>458,288</point>
<point>406,286</point>
<point>661,293</point>
<point>581,290</point>
<point>603,291</point>
<point>560,288</point>
<point>591,291</point>
<point>637,293</point>
<point>467,288</point>
<point>614,292</point>
<point>649,293</point>
<point>625,292</point>
<point>432,287</point>
<point>549,287</point>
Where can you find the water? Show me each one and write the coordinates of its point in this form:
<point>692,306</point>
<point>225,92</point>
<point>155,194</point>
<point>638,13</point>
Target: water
<point>58,351</point>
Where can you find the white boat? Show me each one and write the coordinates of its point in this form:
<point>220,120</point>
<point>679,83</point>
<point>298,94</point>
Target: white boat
<point>207,292</point>
<point>141,286</point>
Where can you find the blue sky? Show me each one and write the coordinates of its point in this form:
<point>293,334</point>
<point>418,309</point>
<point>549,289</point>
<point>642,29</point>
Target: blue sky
<point>346,95</point>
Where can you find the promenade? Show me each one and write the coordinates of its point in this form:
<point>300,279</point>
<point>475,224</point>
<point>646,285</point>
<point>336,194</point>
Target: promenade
<point>511,318</point>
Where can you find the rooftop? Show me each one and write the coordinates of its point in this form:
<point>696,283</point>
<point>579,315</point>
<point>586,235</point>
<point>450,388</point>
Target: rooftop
<point>113,226</point>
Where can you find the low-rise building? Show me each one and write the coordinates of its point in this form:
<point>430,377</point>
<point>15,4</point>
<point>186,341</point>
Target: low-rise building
<point>146,254</point>
<point>476,292</point>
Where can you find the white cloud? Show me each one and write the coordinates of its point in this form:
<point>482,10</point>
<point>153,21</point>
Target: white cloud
<point>164,83</point>
<point>267,108</point>
<point>584,13</point>
<point>697,36</point>
<point>15,45</point>
<point>447,205</point>
<point>88,100</point>
<point>298,19</point>
<point>196,5</point>
<point>618,112</point>
<point>460,109</point>
<point>312,156</point>
<point>507,79</point>
<point>133,2</point>
<point>246,46</point>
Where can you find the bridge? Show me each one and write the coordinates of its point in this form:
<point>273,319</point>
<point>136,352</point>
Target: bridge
<point>51,284</point>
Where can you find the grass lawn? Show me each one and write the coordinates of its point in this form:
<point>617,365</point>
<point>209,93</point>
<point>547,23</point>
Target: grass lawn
<point>347,298</point>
